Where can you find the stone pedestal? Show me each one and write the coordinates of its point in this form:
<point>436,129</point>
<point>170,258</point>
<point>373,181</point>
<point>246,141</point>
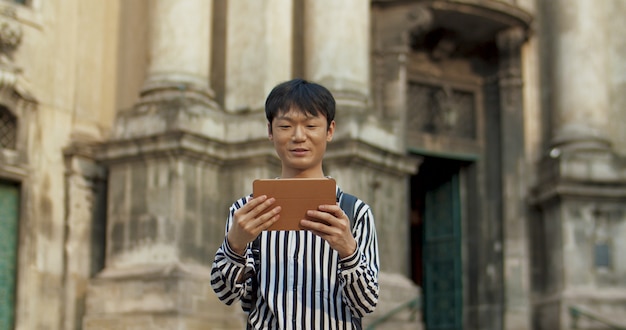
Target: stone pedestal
<point>578,234</point>
<point>399,305</point>
<point>164,223</point>
<point>167,297</point>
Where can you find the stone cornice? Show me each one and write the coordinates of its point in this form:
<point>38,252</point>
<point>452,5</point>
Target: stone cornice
<point>500,11</point>
<point>11,167</point>
<point>195,146</point>
<point>181,143</point>
<point>597,175</point>
<point>358,152</point>
<point>151,272</point>
<point>609,295</point>
<point>569,189</point>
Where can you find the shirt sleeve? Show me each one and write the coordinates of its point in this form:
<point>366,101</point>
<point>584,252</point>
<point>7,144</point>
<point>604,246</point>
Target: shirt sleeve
<point>359,272</point>
<point>231,273</point>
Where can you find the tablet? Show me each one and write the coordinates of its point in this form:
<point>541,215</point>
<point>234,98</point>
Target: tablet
<point>295,196</point>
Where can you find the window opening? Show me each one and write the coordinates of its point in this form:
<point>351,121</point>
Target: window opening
<point>8,129</point>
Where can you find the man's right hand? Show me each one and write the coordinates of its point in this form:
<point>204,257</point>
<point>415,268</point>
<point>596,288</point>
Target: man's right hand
<point>248,222</point>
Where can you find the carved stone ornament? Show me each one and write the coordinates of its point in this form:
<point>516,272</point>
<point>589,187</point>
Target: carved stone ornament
<point>10,32</point>
<point>10,39</point>
<point>421,20</point>
<point>510,40</point>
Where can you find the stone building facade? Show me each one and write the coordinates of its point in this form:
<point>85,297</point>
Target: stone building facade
<point>489,137</point>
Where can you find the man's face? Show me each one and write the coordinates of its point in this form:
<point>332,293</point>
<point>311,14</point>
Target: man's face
<point>300,142</point>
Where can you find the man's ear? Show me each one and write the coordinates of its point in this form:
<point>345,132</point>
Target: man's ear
<point>331,131</point>
<point>269,131</point>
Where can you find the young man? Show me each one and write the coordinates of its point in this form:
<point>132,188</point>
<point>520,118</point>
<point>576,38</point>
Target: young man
<point>323,277</point>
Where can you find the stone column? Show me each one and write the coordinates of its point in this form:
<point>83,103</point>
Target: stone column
<point>336,48</point>
<point>176,94</point>
<point>581,83</point>
<point>515,237</point>
<point>258,45</point>
<point>179,55</point>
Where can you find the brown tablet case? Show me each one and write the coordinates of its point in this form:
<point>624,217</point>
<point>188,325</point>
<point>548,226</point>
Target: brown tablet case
<point>296,196</point>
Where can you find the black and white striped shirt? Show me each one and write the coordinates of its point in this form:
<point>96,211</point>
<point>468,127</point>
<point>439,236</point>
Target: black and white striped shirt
<point>302,283</point>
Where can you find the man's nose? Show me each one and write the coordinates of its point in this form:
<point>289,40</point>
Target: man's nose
<point>299,134</point>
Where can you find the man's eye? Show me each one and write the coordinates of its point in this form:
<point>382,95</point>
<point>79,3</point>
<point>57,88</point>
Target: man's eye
<point>284,126</point>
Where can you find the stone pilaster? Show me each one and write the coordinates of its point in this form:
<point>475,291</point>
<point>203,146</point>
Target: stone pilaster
<point>515,238</point>
<point>336,48</point>
<point>85,182</point>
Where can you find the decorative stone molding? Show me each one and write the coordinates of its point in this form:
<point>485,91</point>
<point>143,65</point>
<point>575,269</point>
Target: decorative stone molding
<point>12,83</point>
<point>421,21</point>
<point>509,44</point>
<point>10,40</point>
<point>10,32</point>
<point>511,39</point>
<point>14,94</point>
<point>358,152</point>
<point>574,137</point>
<point>193,146</point>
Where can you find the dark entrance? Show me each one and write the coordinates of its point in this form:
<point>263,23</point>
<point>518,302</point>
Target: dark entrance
<point>9,206</point>
<point>436,242</point>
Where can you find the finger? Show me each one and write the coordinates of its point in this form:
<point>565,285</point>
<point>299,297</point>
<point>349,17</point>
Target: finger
<point>261,211</point>
<point>335,210</point>
<point>319,228</point>
<point>260,207</point>
<point>330,219</point>
<point>247,216</point>
<point>271,220</point>
<point>254,202</point>
<point>269,216</point>
<point>243,213</point>
<point>319,233</point>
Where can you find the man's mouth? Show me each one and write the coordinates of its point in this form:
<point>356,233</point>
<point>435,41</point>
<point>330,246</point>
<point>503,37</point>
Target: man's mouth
<point>299,151</point>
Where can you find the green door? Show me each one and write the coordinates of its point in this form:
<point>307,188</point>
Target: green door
<point>442,256</point>
<point>9,205</point>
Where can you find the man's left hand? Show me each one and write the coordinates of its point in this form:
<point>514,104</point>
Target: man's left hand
<point>332,224</point>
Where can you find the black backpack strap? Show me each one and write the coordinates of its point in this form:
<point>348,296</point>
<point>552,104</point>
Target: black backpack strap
<point>347,202</point>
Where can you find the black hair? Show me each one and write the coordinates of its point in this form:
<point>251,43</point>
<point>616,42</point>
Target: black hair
<point>300,95</point>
